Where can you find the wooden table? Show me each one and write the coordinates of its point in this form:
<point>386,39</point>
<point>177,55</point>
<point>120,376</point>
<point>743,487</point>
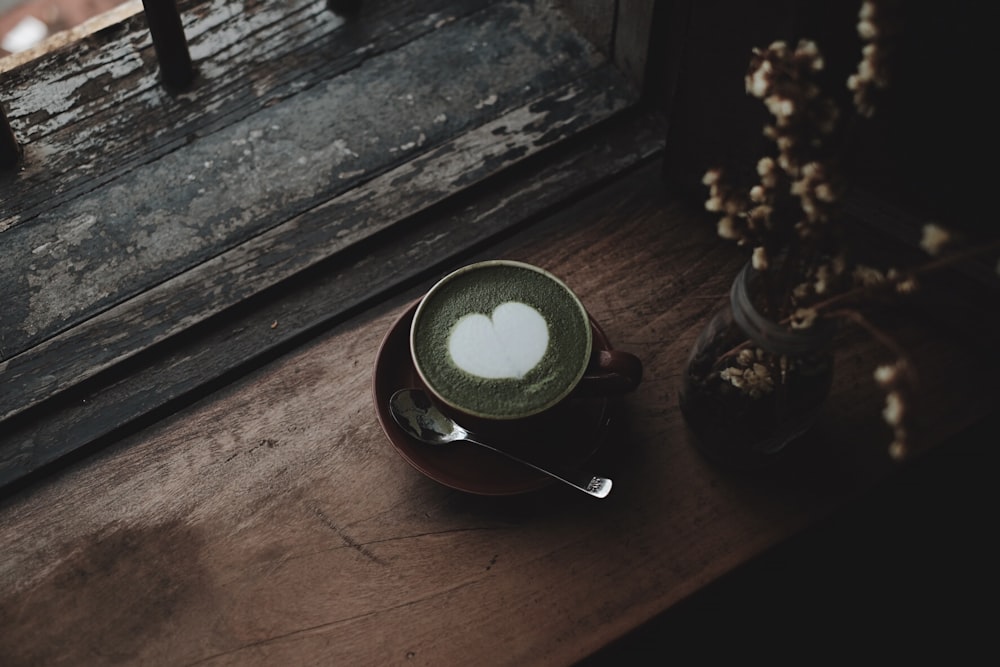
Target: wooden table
<point>224,493</point>
<point>273,523</point>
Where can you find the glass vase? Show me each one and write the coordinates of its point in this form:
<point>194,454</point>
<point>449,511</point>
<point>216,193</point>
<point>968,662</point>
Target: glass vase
<point>752,386</point>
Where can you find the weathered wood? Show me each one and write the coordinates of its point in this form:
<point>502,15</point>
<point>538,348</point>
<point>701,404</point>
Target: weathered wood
<point>273,524</point>
<point>86,255</point>
<point>226,279</point>
<point>624,31</point>
<point>595,19</point>
<point>240,338</point>
<point>253,56</point>
<point>633,33</point>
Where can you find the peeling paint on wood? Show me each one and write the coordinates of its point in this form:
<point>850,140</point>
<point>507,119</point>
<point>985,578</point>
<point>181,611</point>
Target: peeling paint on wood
<point>126,235</point>
<point>234,342</point>
<point>293,246</point>
<point>263,178</point>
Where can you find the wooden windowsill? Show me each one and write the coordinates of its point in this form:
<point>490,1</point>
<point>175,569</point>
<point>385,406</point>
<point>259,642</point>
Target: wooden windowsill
<point>147,231</point>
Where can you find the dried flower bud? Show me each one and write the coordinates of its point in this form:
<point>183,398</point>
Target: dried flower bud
<point>907,286</point>
<point>711,177</point>
<point>765,166</point>
<point>803,318</point>
<point>808,51</point>
<point>893,412</point>
<point>866,71</point>
<point>867,276</point>
<point>780,107</point>
<point>785,143</point>
<point>759,258</point>
<point>886,374</point>
<point>867,29</point>
<point>758,82</point>
<point>825,193</point>
<point>758,380</point>
<point>824,279</point>
<point>935,238</point>
<point>897,450</point>
<point>759,215</point>
<point>727,229</point>
<point>733,377</point>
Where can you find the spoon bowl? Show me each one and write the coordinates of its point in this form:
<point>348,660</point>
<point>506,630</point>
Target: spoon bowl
<point>416,414</point>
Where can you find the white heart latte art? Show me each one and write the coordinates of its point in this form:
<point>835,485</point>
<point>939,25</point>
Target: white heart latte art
<point>506,345</point>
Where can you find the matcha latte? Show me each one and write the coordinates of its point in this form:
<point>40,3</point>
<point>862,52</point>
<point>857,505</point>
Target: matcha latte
<point>500,340</point>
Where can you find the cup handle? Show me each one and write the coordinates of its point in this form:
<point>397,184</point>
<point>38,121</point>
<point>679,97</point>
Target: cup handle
<point>610,373</point>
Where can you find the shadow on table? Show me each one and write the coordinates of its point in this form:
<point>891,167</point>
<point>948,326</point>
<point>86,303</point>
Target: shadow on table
<point>904,571</point>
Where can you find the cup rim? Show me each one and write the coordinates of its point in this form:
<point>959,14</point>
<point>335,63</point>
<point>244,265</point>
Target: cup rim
<point>468,268</point>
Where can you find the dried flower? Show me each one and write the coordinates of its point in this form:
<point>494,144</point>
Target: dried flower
<point>935,238</point>
<point>791,217</point>
<point>885,374</point>
<point>759,258</point>
<point>749,373</point>
<point>893,412</point>
<point>897,450</point>
<point>877,26</point>
<point>765,167</point>
<point>867,276</point>
<point>727,228</point>
<point>803,318</point>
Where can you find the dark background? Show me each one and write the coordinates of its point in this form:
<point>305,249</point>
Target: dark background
<point>928,149</point>
<point>906,573</point>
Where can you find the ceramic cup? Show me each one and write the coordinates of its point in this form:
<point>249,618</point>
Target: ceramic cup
<point>500,343</point>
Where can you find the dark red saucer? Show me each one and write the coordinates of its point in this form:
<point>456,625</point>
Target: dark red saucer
<point>569,434</point>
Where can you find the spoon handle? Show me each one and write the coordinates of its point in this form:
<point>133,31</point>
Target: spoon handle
<point>599,487</point>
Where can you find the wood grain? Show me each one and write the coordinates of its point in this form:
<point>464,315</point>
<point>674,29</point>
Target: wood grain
<point>186,217</point>
<point>633,32</point>
<point>230,276</point>
<point>84,101</point>
<point>595,19</point>
<point>272,523</point>
<point>236,339</point>
<point>210,188</point>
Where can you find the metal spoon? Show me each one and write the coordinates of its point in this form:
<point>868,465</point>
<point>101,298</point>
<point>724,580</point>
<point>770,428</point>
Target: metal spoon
<point>413,411</point>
